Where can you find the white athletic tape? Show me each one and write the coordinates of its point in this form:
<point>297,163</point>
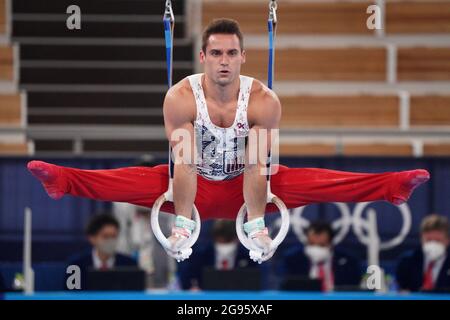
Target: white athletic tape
<point>183,251</point>
<point>256,253</point>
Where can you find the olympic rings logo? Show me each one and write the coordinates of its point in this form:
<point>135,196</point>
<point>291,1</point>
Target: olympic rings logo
<point>347,220</point>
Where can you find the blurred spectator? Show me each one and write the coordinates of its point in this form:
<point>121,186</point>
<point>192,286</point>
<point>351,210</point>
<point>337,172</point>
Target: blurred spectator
<point>102,232</point>
<point>427,267</point>
<point>225,253</point>
<point>135,234</point>
<point>137,239</point>
<point>320,260</point>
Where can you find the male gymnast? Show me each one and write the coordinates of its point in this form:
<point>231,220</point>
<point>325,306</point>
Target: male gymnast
<point>218,109</point>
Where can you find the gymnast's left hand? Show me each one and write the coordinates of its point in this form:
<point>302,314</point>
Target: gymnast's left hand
<point>262,240</point>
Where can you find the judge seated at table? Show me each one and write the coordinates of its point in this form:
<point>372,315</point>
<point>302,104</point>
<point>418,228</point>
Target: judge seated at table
<point>102,233</point>
<point>320,260</point>
<point>427,268</point>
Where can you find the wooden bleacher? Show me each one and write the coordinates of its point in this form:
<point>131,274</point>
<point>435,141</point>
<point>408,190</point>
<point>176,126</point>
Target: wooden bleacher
<point>11,117</point>
<point>10,103</point>
<point>108,76</point>
<point>437,149</point>
<point>347,149</point>
<point>377,149</point>
<point>10,110</point>
<point>298,18</point>
<point>359,63</point>
<point>307,149</point>
<point>52,102</point>
<point>424,64</point>
<point>430,110</point>
<point>339,111</point>
<point>2,16</point>
<point>333,17</point>
<point>342,18</point>
<point>364,111</point>
<point>409,17</point>
<point>6,63</point>
<point>14,149</point>
<point>354,64</point>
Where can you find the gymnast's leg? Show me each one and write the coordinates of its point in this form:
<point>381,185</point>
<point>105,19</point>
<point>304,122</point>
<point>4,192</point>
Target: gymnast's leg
<point>302,186</point>
<point>136,185</point>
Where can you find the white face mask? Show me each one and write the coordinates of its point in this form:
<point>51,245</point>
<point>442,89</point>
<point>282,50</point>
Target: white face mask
<point>317,254</point>
<point>433,250</point>
<point>107,247</point>
<point>225,249</point>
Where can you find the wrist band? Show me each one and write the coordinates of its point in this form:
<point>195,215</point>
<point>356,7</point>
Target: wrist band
<point>254,225</point>
<point>185,223</point>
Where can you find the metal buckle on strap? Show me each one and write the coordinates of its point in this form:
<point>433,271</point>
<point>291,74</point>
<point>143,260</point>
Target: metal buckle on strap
<point>273,11</point>
<point>168,13</point>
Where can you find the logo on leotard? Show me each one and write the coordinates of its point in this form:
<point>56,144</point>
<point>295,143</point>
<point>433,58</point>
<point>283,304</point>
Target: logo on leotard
<point>234,160</point>
<point>222,156</point>
<point>241,129</point>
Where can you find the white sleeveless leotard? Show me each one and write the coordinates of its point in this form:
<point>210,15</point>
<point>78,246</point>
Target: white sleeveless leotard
<point>221,151</point>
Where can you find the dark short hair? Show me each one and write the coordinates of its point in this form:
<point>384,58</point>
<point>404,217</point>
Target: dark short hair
<point>435,222</point>
<point>225,229</point>
<point>321,227</point>
<point>97,222</point>
<point>224,26</point>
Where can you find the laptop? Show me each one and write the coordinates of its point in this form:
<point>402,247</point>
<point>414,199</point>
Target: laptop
<point>117,279</point>
<point>300,283</point>
<point>238,279</point>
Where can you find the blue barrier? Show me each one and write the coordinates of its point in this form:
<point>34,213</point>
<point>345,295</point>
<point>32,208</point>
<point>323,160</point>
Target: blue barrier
<point>49,276</point>
<point>219,295</point>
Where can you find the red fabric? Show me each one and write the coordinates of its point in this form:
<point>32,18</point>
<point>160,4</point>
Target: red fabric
<point>428,277</point>
<point>322,277</point>
<point>223,199</point>
<point>225,265</point>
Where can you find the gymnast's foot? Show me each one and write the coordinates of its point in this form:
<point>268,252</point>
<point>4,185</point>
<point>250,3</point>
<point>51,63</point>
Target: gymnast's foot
<point>49,175</point>
<point>407,182</point>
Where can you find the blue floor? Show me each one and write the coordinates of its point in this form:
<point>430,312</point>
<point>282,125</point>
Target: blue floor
<point>222,295</point>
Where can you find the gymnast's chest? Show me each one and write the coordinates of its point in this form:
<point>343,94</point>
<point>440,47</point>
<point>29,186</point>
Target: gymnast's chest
<point>222,115</point>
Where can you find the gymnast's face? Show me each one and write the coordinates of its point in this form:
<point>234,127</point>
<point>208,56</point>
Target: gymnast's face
<point>223,58</point>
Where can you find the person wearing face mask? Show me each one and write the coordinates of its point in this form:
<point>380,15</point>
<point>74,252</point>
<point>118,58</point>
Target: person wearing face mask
<point>427,268</point>
<point>320,260</point>
<point>225,253</point>
<point>102,232</point>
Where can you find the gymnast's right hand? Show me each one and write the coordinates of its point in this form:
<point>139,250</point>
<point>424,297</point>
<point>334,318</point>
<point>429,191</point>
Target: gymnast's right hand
<point>181,232</point>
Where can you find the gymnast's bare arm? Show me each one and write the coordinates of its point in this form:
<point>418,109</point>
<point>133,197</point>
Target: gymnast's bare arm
<point>264,112</point>
<point>179,116</point>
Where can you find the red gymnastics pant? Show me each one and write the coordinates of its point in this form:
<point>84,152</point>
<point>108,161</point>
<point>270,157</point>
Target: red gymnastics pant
<point>223,199</point>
